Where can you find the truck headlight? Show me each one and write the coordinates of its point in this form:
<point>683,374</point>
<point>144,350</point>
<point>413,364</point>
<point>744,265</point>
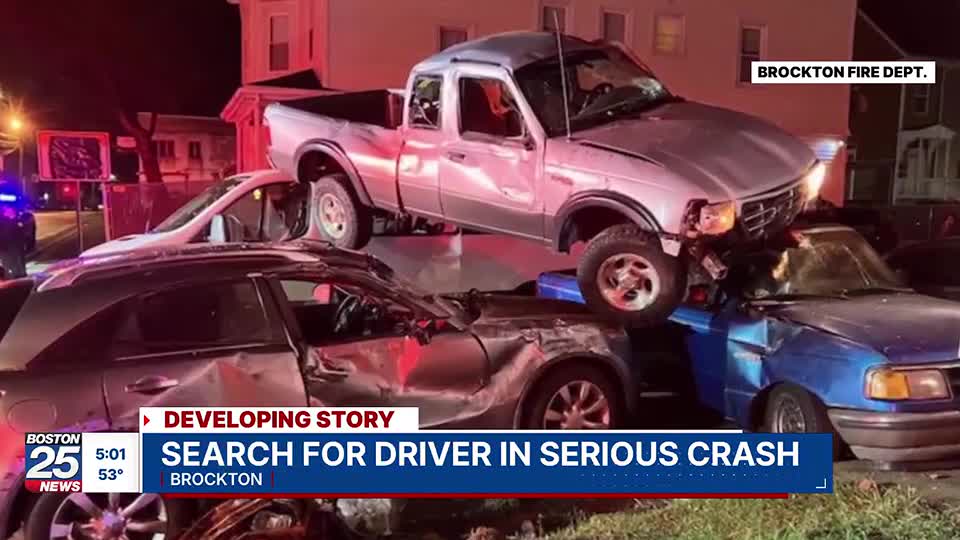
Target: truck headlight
<point>717,218</point>
<point>814,179</point>
<point>896,385</point>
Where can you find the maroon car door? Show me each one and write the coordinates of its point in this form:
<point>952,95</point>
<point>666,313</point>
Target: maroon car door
<point>212,344</point>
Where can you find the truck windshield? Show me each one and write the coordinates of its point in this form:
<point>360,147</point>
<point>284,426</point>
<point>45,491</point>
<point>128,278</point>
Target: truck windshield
<point>829,262</point>
<point>603,85</point>
<point>198,204</point>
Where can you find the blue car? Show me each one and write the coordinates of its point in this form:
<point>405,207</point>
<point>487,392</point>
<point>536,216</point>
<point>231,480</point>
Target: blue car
<point>813,332</point>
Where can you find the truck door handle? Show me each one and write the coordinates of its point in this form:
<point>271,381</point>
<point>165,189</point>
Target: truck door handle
<point>151,384</point>
<point>328,369</point>
<point>459,157</point>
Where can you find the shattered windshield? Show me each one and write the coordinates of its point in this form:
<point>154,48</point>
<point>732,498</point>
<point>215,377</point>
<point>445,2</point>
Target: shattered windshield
<point>603,85</point>
<point>198,204</point>
<point>825,262</point>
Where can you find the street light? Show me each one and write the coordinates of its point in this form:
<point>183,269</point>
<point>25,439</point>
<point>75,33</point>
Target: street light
<point>16,123</point>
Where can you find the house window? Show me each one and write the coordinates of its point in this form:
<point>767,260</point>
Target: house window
<point>450,37</point>
<point>163,148</point>
<point>668,35</point>
<point>921,99</point>
<point>614,27</point>
<point>194,150</point>
<point>279,43</point>
<point>751,49</point>
<point>550,15</point>
<point>310,44</point>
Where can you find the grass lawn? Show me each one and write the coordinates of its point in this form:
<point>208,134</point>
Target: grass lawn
<point>852,513</point>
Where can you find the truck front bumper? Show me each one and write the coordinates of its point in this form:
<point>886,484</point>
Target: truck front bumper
<point>893,437</point>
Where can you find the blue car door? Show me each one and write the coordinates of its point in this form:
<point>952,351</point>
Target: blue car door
<point>726,345</point>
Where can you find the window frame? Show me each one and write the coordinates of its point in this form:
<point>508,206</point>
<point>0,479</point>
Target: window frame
<point>627,24</point>
<point>761,54</point>
<point>271,314</point>
<point>409,112</point>
<point>916,97</point>
<point>442,28</point>
<point>682,47</point>
<point>478,136</point>
<point>162,144</point>
<point>199,154</point>
<point>339,279</point>
<point>565,21</point>
<point>271,43</point>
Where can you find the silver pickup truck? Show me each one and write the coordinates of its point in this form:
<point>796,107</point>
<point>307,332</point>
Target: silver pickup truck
<point>493,135</point>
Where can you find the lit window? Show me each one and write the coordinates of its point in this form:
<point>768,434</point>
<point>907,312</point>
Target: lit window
<point>550,15</point>
<point>279,43</point>
<point>668,35</point>
<point>751,49</point>
<point>163,148</point>
<point>614,27</point>
<point>451,36</point>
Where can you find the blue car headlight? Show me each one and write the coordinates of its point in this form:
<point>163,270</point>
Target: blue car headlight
<point>911,384</point>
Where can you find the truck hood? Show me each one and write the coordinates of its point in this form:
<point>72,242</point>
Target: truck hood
<point>906,328</point>
<point>727,154</point>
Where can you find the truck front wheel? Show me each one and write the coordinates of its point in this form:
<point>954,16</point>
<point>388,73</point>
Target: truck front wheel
<point>341,218</point>
<point>625,276</point>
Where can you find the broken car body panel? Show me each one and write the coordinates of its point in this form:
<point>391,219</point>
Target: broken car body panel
<point>83,356</point>
<point>740,348</point>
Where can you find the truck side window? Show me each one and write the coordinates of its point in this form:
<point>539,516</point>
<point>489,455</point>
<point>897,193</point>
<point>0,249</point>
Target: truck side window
<point>425,101</point>
<point>488,107</point>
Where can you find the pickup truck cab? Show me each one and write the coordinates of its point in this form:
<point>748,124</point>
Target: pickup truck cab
<point>493,135</point>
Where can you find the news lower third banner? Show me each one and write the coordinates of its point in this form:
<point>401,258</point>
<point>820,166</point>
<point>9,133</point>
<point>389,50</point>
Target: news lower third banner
<point>359,453</point>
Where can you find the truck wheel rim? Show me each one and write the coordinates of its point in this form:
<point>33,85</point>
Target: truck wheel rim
<point>114,517</point>
<point>333,217</point>
<point>577,405</point>
<point>789,417</point>
<point>628,281</point>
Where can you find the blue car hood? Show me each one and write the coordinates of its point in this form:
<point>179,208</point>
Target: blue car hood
<point>906,328</point>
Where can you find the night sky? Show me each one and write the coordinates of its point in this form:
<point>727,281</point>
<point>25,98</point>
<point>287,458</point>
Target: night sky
<point>72,62</point>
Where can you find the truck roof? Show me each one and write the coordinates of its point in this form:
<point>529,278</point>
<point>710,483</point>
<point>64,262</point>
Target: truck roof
<point>512,50</point>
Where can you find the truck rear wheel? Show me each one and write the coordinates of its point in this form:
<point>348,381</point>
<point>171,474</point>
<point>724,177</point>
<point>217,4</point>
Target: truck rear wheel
<point>341,218</point>
<point>13,262</point>
<point>625,276</point>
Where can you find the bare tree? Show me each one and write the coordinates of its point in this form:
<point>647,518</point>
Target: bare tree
<point>143,137</point>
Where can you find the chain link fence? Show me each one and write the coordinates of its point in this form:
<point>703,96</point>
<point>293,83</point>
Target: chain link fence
<point>137,208</point>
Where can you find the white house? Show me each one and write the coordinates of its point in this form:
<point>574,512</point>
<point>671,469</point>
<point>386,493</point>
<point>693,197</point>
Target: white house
<point>193,147</point>
<point>702,49</point>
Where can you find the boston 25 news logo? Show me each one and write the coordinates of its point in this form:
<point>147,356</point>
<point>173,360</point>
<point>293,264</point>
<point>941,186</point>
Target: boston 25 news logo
<point>53,462</point>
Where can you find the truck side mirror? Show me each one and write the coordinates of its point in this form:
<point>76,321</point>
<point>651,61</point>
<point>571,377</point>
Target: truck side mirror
<point>218,230</point>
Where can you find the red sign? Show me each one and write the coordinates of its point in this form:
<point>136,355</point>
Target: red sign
<point>74,156</point>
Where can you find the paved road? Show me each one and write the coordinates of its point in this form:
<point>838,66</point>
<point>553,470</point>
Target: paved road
<point>57,237</point>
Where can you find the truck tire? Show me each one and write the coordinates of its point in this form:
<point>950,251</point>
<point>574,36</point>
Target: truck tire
<point>341,218</point>
<point>13,262</point>
<point>625,276</point>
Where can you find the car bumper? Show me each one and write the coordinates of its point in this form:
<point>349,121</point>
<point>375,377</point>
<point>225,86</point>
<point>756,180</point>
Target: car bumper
<point>892,437</point>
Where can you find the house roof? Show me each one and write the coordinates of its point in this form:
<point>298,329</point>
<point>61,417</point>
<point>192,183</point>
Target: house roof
<point>305,80</point>
<point>926,28</point>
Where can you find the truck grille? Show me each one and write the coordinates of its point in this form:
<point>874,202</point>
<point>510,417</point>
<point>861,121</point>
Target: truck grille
<point>770,214</point>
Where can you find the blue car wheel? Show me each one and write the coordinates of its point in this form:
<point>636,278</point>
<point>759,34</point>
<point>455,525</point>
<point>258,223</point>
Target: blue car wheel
<point>791,409</point>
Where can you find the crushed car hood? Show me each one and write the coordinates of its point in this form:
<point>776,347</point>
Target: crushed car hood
<point>723,152</point>
<point>906,328</point>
